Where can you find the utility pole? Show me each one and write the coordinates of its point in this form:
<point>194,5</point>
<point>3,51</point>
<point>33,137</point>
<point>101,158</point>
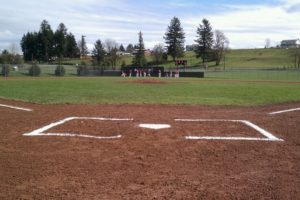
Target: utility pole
<point>82,45</point>
<point>224,61</point>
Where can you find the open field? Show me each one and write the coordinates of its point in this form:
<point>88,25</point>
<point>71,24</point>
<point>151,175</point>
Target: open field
<point>104,153</point>
<point>117,90</point>
<point>235,59</point>
<point>100,137</point>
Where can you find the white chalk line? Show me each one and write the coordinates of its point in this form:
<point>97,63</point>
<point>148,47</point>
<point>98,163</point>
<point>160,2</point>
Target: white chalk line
<point>284,111</point>
<point>41,131</point>
<point>155,126</point>
<point>16,108</point>
<point>268,135</point>
<point>79,135</point>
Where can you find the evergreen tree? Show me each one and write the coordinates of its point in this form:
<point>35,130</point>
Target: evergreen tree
<point>122,49</point>
<point>29,45</point>
<point>129,48</point>
<point>60,40</point>
<point>45,41</point>
<point>139,59</point>
<point>98,52</point>
<point>174,38</point>
<point>72,50</point>
<point>135,47</point>
<point>205,41</point>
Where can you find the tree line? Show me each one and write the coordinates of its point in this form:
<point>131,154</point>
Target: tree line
<point>46,45</point>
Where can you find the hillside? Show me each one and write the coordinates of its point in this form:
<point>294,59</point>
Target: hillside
<point>240,58</point>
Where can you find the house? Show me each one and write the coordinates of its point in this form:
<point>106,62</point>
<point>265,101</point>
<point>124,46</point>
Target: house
<point>147,52</point>
<point>123,53</point>
<point>290,43</point>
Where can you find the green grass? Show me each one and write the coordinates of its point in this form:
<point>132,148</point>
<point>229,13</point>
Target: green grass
<point>235,59</point>
<point>246,58</point>
<point>275,75</point>
<point>118,90</point>
<point>260,58</point>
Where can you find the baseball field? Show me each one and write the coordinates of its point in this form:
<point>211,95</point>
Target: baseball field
<point>227,136</point>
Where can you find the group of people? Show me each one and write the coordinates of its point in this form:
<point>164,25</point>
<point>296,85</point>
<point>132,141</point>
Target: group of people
<point>138,73</point>
<point>147,73</point>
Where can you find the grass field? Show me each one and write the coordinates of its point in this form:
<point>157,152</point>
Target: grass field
<point>237,85</point>
<point>255,74</point>
<point>128,91</point>
<point>234,59</point>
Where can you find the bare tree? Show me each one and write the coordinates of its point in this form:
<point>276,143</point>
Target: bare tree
<point>267,43</point>
<point>13,49</point>
<point>82,47</point>
<point>221,44</point>
<point>111,47</point>
<point>158,51</point>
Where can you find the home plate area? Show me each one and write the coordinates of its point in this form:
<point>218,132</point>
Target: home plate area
<point>190,129</point>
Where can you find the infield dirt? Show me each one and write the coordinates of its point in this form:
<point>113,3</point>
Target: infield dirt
<point>145,163</point>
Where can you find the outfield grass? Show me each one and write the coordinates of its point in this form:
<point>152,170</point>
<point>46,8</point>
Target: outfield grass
<point>234,59</point>
<point>275,75</point>
<point>119,90</point>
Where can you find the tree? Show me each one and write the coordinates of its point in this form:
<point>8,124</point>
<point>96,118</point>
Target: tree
<point>29,45</point>
<point>267,43</point>
<point>45,41</point>
<point>72,49</point>
<point>158,51</point>
<point>121,48</point>
<point>220,45</point>
<point>294,53</point>
<point>60,40</point>
<point>204,41</point>
<point>129,48</point>
<point>175,38</point>
<point>98,53</point>
<point>111,49</point>
<point>83,50</point>
<point>5,70</point>
<point>139,59</point>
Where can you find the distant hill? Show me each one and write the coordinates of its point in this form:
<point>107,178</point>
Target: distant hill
<point>235,58</point>
<point>242,58</point>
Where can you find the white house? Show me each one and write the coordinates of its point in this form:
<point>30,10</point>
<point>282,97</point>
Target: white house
<point>290,43</point>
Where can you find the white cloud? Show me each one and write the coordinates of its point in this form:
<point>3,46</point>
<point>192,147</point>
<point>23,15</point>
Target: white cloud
<point>249,26</point>
<point>5,34</point>
<point>245,26</point>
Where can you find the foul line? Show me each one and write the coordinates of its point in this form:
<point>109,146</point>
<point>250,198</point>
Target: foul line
<point>284,111</point>
<point>79,135</point>
<point>41,131</point>
<point>268,135</point>
<point>17,108</point>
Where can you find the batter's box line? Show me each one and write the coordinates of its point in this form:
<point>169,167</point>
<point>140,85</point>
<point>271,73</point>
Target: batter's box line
<point>42,131</point>
<point>268,136</point>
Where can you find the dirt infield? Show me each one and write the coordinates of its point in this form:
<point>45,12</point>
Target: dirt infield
<point>147,163</point>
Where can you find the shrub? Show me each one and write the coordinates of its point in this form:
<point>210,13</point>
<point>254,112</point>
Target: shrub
<point>82,70</point>
<point>5,70</point>
<point>34,70</point>
<point>60,70</point>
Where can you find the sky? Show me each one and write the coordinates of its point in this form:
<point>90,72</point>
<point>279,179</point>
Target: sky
<point>247,24</point>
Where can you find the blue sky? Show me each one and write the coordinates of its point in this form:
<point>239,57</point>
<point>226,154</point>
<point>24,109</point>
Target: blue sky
<point>247,24</point>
